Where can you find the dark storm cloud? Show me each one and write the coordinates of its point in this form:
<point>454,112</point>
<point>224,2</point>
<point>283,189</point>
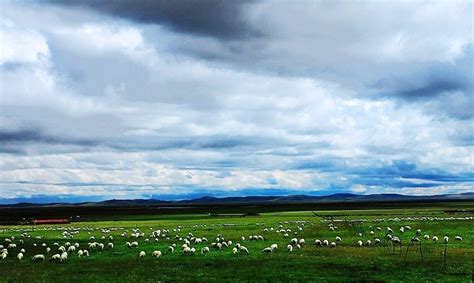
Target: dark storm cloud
<point>13,141</point>
<point>217,18</point>
<point>21,136</point>
<point>432,88</point>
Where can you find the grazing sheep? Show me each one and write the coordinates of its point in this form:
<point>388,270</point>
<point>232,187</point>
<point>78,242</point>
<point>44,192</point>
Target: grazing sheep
<point>20,256</point>
<point>110,245</point>
<point>4,255</point>
<point>157,254</point>
<point>22,251</point>
<point>332,245</point>
<point>377,241</point>
<point>244,249</point>
<point>458,238</point>
<point>86,252</point>
<point>55,257</point>
<point>426,237</point>
<point>301,242</point>
<point>186,250</point>
<point>48,250</point>
<point>205,250</point>
<point>294,241</point>
<point>274,247</point>
<point>289,248</point>
<point>369,242</point>
<point>267,250</point>
<point>142,254</point>
<point>318,242</point>
<point>38,257</point>
<point>446,239</point>
<point>235,250</point>
<point>80,253</point>
<point>171,249</point>
<point>71,249</point>
<point>338,239</point>
<point>360,243</point>
<point>435,238</point>
<point>326,243</point>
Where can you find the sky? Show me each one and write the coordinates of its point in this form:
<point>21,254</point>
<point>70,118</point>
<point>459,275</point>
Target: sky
<point>180,99</point>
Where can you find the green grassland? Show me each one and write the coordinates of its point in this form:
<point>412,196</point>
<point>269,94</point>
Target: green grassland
<point>346,262</point>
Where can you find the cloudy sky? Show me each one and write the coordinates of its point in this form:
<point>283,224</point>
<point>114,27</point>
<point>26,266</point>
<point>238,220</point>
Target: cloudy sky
<point>173,99</point>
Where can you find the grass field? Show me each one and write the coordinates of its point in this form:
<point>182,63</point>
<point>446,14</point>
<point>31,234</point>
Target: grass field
<point>346,262</point>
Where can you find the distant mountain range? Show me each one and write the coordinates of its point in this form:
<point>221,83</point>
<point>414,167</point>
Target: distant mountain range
<point>335,198</point>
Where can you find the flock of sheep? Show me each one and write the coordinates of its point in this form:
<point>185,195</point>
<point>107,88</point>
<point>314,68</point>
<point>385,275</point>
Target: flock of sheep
<point>187,243</point>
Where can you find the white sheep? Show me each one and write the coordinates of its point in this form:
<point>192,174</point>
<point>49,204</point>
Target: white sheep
<point>38,257</point>
<point>142,254</point>
<point>318,242</point>
<point>446,239</point>
<point>290,248</point>
<point>458,238</point>
<point>171,249</point>
<point>338,239</point>
<point>55,257</point>
<point>274,247</point>
<point>360,243</point>
<point>205,250</point>
<point>267,250</point>
<point>332,245</point>
<point>244,249</point>
<point>157,254</point>
<point>110,245</point>
<point>186,250</point>
<point>435,238</point>
<point>20,256</point>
